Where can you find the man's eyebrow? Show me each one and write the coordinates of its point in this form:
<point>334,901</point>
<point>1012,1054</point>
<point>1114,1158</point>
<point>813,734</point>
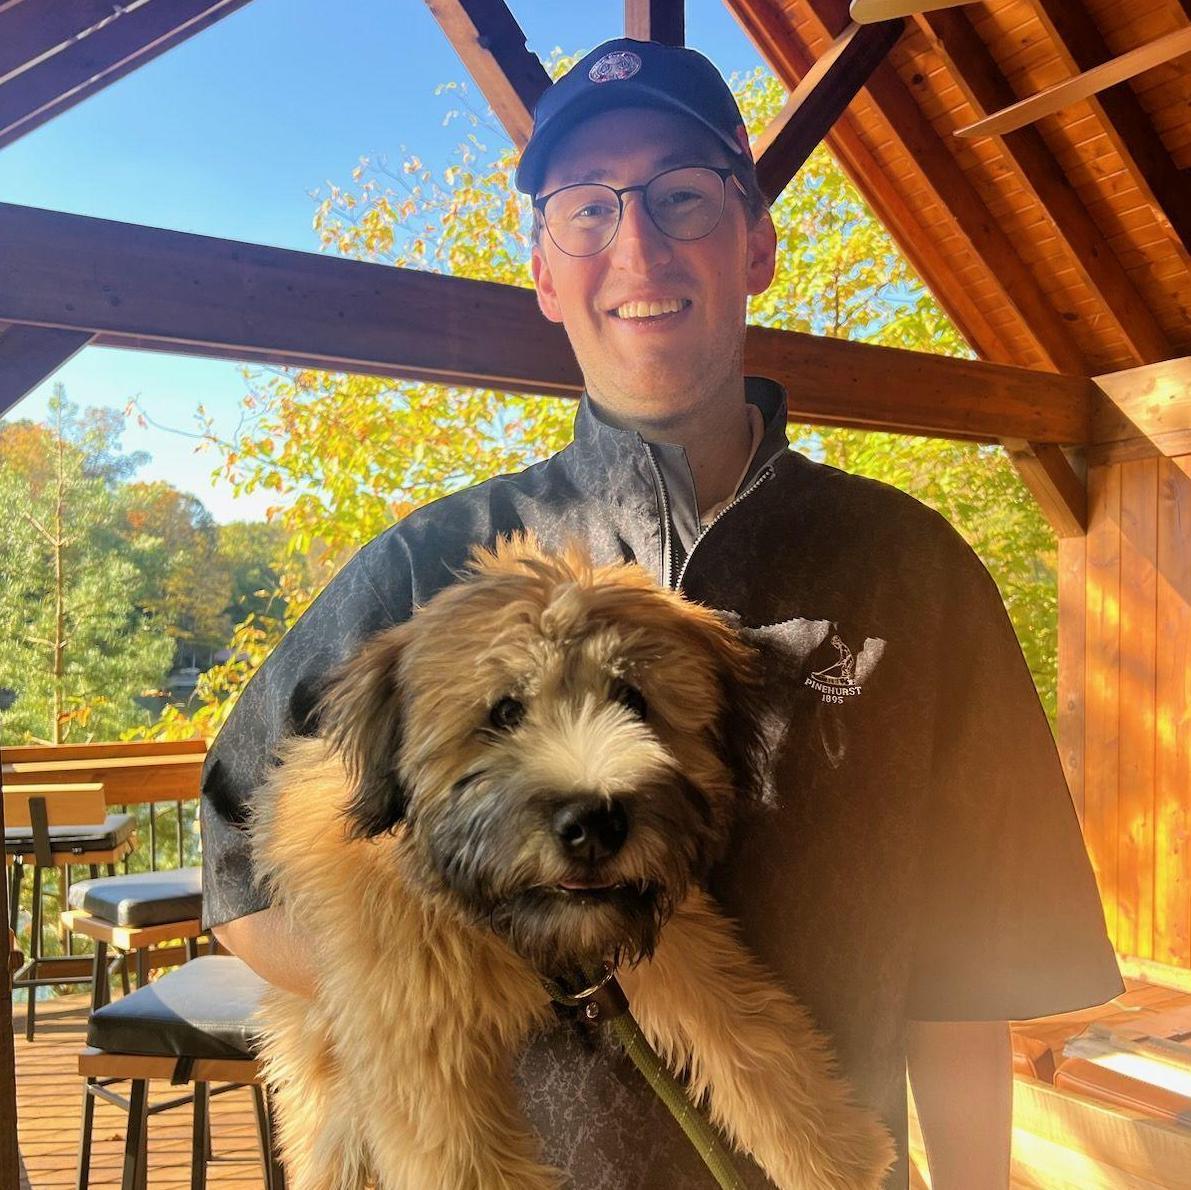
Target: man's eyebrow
<point>599,173</point>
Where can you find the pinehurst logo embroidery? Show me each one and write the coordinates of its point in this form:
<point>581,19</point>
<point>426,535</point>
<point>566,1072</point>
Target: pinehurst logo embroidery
<point>841,677</point>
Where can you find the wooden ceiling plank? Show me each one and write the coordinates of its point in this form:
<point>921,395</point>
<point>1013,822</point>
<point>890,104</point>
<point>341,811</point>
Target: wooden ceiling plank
<point>947,180</point>
<point>818,101</point>
<point>656,20</point>
<point>1087,83</point>
<point>28,354</point>
<point>171,291</point>
<point>790,61</point>
<point>57,83</point>
<point>1130,129</point>
<point>976,73</point>
<point>491,45</point>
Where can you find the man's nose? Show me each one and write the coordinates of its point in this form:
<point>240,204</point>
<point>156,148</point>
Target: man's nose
<point>638,246</point>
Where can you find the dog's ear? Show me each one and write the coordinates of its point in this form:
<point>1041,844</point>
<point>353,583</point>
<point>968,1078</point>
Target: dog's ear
<point>746,727</point>
<point>360,717</point>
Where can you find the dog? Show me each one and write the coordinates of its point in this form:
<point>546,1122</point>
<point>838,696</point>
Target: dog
<point>531,776</point>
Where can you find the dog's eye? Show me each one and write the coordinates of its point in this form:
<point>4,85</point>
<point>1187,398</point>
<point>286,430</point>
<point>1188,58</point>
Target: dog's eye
<point>630,698</point>
<point>507,714</point>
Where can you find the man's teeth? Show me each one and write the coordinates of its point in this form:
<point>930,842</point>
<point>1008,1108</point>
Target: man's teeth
<point>650,309</point>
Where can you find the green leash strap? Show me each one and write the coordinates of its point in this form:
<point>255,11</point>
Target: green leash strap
<point>604,1002</point>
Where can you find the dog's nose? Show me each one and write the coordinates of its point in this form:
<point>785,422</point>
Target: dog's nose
<point>591,830</point>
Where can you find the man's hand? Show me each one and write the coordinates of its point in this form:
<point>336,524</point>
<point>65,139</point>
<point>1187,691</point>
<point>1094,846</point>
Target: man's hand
<point>267,944</point>
<point>962,1076</point>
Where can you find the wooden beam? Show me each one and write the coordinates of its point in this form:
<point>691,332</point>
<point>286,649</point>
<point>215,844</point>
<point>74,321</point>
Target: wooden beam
<point>1141,412</point>
<point>171,291</point>
<point>1053,482</point>
<point>1131,131</point>
<point>790,61</point>
<point>492,47</point>
<point>32,96</point>
<point>35,30</point>
<point>656,20</point>
<point>818,101</point>
<point>976,73</point>
<point>28,354</point>
<point>1088,82</point>
<point>941,171</point>
<point>840,382</point>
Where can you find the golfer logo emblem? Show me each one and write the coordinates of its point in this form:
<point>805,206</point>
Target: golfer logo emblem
<point>615,67</point>
<point>838,673</point>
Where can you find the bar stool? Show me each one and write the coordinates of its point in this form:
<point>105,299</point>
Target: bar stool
<point>133,913</point>
<point>51,826</point>
<point>191,1026</point>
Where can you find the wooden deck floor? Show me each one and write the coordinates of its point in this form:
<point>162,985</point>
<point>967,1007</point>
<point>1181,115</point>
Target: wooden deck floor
<point>49,1105</point>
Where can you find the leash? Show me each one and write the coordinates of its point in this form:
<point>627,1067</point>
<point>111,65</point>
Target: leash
<point>604,1003</point>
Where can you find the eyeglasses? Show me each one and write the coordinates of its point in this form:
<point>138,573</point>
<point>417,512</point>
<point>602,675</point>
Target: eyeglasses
<point>686,203</point>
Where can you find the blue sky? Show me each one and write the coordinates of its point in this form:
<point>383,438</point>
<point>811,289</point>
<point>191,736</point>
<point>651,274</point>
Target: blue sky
<point>228,133</point>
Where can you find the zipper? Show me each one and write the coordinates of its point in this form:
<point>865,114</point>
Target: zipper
<point>667,554</point>
<point>765,474</point>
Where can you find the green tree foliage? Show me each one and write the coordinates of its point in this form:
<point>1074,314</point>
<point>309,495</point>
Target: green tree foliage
<point>349,455</point>
<point>185,581</point>
<point>74,644</point>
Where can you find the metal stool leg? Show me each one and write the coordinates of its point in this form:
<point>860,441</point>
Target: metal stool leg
<point>34,953</point>
<point>200,1134</point>
<point>135,1153</point>
<point>84,1171</point>
<point>262,1132</point>
<point>99,976</point>
<point>14,903</point>
<point>276,1169</point>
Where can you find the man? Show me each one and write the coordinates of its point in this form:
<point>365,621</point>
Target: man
<point>918,876</point>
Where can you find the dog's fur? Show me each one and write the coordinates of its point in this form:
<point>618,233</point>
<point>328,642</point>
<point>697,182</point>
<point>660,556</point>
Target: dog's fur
<point>415,842</point>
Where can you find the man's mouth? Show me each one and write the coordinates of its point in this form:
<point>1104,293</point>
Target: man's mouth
<point>651,311</point>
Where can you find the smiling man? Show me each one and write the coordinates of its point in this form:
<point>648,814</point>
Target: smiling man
<point>916,875</point>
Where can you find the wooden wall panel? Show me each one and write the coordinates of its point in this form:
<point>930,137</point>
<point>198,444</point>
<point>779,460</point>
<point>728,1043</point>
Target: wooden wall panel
<point>1072,663</point>
<point>1135,777</point>
<point>1135,825</point>
<point>1172,769</point>
<point>1102,741</point>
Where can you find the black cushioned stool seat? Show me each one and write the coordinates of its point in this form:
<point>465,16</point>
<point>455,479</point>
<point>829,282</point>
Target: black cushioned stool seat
<point>97,836</point>
<point>191,1025</point>
<point>200,1010</point>
<point>142,898</point>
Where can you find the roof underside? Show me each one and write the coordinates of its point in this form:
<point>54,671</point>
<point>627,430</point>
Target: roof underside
<point>1062,245</point>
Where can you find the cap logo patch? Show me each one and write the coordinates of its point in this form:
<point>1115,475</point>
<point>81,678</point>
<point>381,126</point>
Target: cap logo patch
<point>615,67</point>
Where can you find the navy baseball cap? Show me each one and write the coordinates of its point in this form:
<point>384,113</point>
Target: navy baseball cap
<point>628,73</point>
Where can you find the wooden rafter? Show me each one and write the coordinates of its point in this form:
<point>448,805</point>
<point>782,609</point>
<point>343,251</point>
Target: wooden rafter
<point>942,173</point>
<point>1083,85</point>
<point>1061,493</point>
<point>818,101</point>
<point>63,72</point>
<point>790,61</point>
<point>656,20</point>
<point>1081,46</point>
<point>976,73</point>
<point>28,354</point>
<point>492,47</point>
<point>143,287</point>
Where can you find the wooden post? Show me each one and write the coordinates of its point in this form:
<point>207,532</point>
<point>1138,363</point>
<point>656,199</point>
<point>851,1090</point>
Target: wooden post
<point>655,20</point>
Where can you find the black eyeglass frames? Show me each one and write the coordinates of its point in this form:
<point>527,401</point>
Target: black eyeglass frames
<point>685,203</point>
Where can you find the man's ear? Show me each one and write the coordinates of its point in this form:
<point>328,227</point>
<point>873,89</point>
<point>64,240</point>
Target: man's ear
<point>543,282</point>
<point>360,716</point>
<point>762,250</point>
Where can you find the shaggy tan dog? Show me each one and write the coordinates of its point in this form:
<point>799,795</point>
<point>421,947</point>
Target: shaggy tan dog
<point>530,776</point>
